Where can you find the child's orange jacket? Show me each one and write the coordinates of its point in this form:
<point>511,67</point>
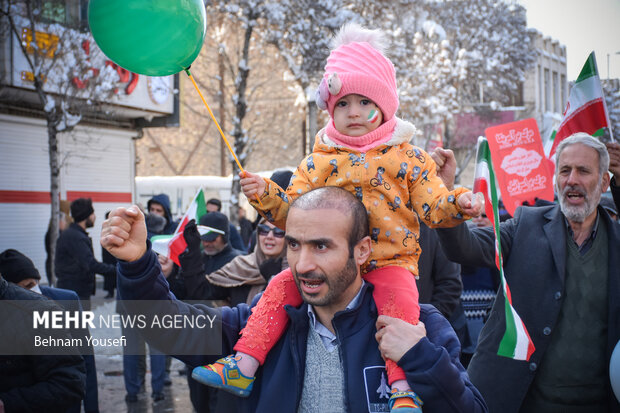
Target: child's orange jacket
<point>392,180</point>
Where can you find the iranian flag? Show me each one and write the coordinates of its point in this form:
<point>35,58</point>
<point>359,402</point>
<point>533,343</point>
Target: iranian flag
<point>516,343</point>
<point>173,245</point>
<point>586,110</point>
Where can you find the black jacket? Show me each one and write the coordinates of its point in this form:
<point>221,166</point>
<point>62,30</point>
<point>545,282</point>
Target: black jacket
<point>615,192</point>
<point>76,264</point>
<point>534,250</point>
<point>217,261</point>
<point>41,383</point>
<point>245,230</point>
<point>431,366</point>
<point>197,288</point>
<point>234,239</point>
<point>439,282</point>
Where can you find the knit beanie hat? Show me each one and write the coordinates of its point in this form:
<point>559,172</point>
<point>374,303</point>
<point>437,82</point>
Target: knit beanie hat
<point>357,65</point>
<point>15,266</point>
<point>282,177</point>
<point>81,209</point>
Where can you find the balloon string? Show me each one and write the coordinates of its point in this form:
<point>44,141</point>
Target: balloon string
<point>218,128</point>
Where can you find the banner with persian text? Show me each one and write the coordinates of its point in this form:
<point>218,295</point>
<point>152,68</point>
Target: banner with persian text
<point>523,172</point>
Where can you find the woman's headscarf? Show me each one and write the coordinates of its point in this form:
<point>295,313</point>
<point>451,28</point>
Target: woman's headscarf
<point>245,270</point>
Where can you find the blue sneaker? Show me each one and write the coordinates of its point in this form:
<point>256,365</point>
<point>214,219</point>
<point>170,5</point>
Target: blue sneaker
<point>225,374</point>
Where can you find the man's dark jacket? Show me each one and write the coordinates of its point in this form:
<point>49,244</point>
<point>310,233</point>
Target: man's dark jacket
<point>215,262</point>
<point>195,285</point>
<point>534,251</point>
<point>431,366</point>
<point>245,231</point>
<point>615,192</point>
<point>71,302</point>
<point>439,282</point>
<point>234,238</point>
<point>41,383</point>
<point>76,265</point>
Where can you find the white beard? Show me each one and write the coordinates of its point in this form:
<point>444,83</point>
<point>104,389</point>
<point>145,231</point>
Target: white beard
<point>580,213</point>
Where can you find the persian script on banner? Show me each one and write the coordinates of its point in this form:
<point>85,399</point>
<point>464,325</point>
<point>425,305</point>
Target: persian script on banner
<point>522,170</point>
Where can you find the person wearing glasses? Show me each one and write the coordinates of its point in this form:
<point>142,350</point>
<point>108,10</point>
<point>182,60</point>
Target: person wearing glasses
<point>243,277</point>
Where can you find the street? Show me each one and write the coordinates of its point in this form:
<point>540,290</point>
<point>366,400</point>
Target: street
<point>110,376</point>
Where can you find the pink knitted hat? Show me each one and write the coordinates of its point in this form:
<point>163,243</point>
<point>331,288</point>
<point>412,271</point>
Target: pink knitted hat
<point>357,65</point>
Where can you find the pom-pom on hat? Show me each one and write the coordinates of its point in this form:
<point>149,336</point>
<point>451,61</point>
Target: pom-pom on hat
<point>357,65</point>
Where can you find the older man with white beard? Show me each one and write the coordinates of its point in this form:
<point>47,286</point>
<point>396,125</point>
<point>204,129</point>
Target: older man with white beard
<point>562,263</point>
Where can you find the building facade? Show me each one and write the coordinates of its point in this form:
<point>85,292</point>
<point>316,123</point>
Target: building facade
<point>545,90</point>
<point>96,147</point>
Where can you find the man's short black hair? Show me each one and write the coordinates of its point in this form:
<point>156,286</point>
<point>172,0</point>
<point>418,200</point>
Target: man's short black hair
<point>216,202</point>
<point>334,197</point>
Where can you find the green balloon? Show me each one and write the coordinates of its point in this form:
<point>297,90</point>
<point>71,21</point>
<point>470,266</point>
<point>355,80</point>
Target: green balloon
<point>149,37</point>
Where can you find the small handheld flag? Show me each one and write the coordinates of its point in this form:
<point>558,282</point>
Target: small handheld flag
<point>516,342</point>
<point>173,245</point>
<point>586,110</point>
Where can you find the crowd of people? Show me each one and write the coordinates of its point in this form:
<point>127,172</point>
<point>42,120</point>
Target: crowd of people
<point>323,242</point>
<point>368,281</point>
<point>221,274</point>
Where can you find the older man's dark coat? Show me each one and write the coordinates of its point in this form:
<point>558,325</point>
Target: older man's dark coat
<point>534,250</point>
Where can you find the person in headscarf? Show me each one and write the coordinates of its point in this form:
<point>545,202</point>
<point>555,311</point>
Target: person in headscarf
<point>246,275</point>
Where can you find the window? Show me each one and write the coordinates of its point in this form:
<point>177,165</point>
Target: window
<point>53,11</point>
<point>563,90</point>
<point>71,13</point>
<point>556,93</point>
<point>547,92</point>
<point>541,97</point>
<point>517,98</point>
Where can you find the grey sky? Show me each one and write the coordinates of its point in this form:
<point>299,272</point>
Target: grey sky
<point>582,26</point>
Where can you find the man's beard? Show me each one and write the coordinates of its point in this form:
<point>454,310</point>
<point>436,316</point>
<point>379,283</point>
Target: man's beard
<point>213,250</point>
<point>90,223</point>
<point>578,213</point>
<point>336,285</point>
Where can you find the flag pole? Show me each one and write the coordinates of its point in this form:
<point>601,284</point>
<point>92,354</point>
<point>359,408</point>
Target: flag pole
<point>610,127</point>
<point>218,127</point>
<point>516,342</point>
<point>187,210</point>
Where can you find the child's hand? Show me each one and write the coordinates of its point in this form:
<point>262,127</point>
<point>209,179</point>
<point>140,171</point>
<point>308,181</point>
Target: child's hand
<point>252,185</point>
<point>446,166</point>
<point>470,204</point>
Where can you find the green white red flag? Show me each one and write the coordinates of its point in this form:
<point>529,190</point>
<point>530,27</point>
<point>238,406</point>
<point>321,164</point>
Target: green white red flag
<point>516,342</point>
<point>586,110</point>
<point>173,245</point>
